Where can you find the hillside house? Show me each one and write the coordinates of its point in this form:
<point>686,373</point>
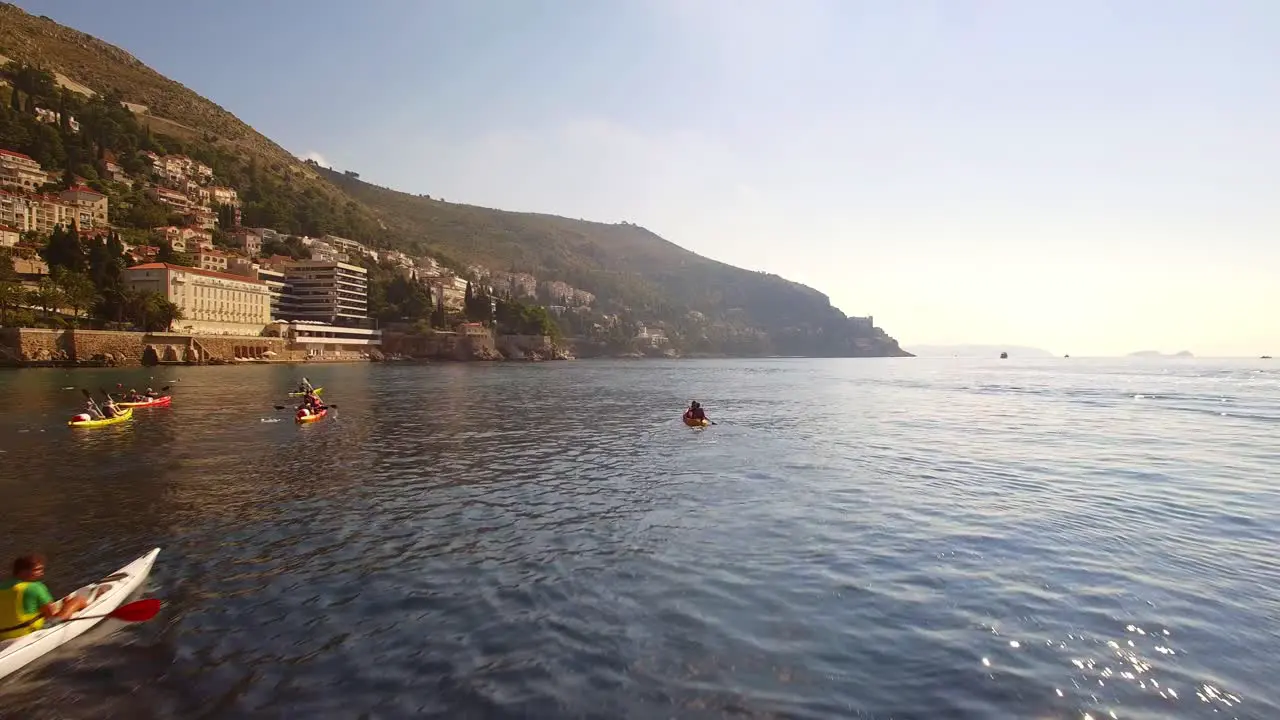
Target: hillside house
<point>20,171</point>
<point>174,199</point>
<point>88,206</point>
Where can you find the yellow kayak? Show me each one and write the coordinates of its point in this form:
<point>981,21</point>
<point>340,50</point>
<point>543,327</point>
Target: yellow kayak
<point>298,394</point>
<point>124,415</point>
<point>697,423</point>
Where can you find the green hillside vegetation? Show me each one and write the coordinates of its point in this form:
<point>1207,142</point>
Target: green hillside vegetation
<point>637,276</point>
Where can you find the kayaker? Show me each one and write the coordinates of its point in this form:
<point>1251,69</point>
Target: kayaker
<point>305,387</point>
<point>695,412</point>
<point>26,603</point>
<point>152,394</point>
<point>109,409</point>
<point>132,396</point>
<point>91,408</point>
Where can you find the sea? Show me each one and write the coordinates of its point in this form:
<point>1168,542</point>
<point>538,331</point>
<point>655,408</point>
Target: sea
<point>854,538</point>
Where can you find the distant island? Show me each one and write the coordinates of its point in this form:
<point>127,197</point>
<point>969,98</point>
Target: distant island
<point>1158,354</point>
<point>978,351</point>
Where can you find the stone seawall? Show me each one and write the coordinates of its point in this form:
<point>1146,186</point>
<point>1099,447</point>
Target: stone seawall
<point>441,345</point>
<point>35,346</point>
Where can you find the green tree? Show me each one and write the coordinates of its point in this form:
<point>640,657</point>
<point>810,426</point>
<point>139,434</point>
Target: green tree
<point>438,318</point>
<point>151,312</point>
<point>46,296</point>
<point>78,291</point>
<point>226,216</point>
<point>146,214</point>
<point>12,296</point>
<point>164,313</point>
<point>64,249</point>
<point>168,255</point>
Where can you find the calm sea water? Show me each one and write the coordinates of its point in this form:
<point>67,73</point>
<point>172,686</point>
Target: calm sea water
<point>856,538</point>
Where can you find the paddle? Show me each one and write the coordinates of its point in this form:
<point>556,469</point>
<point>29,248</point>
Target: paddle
<point>89,396</point>
<point>330,406</point>
<point>137,611</point>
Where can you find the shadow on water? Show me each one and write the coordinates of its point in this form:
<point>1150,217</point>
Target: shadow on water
<point>856,539</point>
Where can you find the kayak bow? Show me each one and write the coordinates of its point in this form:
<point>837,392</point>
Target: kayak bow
<point>104,596</point>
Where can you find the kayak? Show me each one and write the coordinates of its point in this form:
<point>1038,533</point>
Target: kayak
<point>124,415</point>
<point>304,416</point>
<point>154,402</point>
<point>300,394</point>
<point>696,423</point>
<point>111,592</point>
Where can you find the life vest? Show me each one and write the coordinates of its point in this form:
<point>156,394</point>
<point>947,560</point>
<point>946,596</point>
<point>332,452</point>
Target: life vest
<point>14,623</point>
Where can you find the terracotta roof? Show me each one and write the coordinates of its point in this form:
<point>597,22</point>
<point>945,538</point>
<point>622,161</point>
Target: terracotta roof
<point>197,271</point>
<point>11,153</point>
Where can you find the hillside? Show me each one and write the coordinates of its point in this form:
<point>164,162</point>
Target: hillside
<point>630,268</point>
<point>704,305</point>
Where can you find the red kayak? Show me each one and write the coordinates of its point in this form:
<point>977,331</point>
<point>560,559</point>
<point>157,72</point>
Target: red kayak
<point>154,402</point>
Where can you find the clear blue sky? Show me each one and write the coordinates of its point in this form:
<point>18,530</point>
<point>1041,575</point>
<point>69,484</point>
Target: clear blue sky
<point>1086,177</point>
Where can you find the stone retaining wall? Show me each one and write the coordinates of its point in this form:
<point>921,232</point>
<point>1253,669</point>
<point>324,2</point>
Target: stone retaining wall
<point>32,346</point>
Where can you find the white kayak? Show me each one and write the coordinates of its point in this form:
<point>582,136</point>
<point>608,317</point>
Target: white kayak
<point>111,592</point>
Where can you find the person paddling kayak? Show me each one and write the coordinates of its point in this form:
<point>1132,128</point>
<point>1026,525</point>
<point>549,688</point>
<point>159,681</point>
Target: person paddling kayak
<point>26,603</point>
<point>311,403</point>
<point>695,412</point>
<point>305,387</point>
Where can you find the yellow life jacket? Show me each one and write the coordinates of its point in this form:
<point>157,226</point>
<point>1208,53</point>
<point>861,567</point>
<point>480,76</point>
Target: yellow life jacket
<point>14,623</point>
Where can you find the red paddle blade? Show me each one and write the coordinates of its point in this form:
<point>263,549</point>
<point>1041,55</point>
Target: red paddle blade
<point>137,611</point>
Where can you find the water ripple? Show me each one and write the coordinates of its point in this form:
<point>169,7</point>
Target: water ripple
<point>874,539</point>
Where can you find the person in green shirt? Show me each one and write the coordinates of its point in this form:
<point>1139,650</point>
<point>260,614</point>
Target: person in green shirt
<point>26,603</point>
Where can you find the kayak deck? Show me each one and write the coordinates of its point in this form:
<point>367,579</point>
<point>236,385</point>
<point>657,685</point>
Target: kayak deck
<point>125,415</point>
<point>696,423</point>
<point>110,593</point>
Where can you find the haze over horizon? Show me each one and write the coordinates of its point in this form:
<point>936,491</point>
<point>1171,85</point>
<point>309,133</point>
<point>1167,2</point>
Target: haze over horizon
<point>1090,179</point>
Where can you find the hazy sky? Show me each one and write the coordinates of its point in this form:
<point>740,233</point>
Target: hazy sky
<point>1086,177</point>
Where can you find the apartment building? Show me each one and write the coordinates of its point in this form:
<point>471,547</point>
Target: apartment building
<point>350,247</point>
<point>326,291</point>
<point>174,199</point>
<point>20,171</point>
<point>185,239</point>
<point>88,207</point>
<point>210,260</point>
<point>274,279</point>
<point>212,303</point>
<point>223,195</point>
<point>248,240</point>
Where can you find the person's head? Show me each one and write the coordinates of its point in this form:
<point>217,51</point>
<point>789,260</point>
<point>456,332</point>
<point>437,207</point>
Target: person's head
<point>29,567</point>
<point>694,405</point>
<point>133,390</point>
